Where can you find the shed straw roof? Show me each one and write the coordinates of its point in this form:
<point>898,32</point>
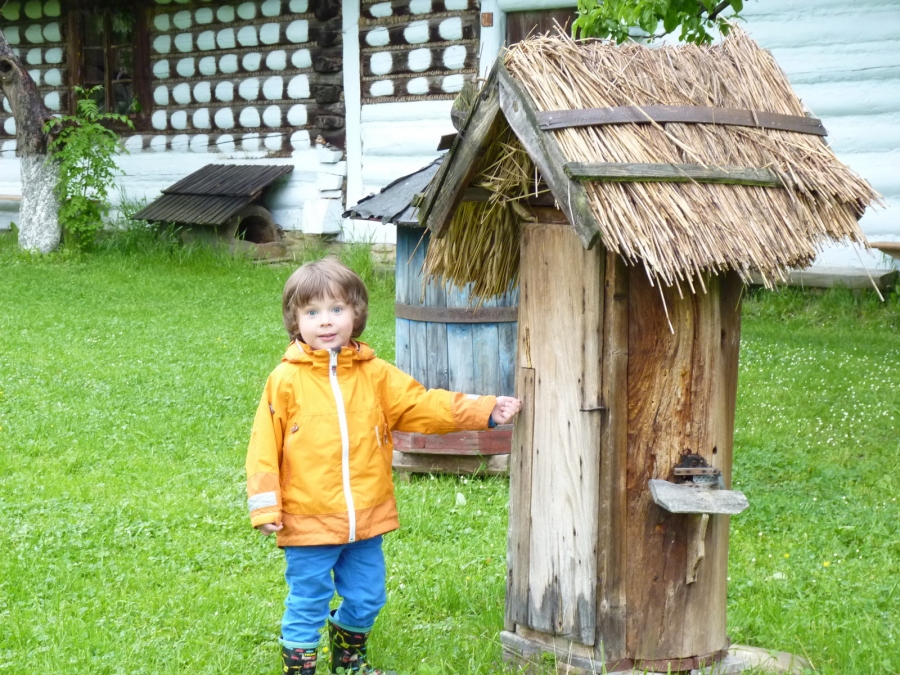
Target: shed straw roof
<point>679,231</point>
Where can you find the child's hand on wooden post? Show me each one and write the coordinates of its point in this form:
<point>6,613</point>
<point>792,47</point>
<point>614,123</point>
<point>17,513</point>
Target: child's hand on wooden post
<point>506,408</point>
<point>269,528</point>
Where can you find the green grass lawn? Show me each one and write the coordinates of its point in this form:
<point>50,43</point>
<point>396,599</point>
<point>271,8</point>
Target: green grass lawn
<point>127,388</point>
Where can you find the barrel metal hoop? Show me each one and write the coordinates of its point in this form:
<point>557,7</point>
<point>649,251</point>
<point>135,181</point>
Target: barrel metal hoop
<point>456,314</point>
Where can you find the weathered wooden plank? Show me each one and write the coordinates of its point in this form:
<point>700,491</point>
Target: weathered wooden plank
<point>436,336</point>
<point>491,465</point>
<point>520,480</point>
<point>686,499</point>
<point>486,343</point>
<point>460,350</point>
<point>611,553</point>
<point>507,333</point>
<point>663,114</point>
<point>446,190</point>
<point>714,442</point>
<point>547,156</point>
<point>418,342</point>
<point>497,441</point>
<point>592,300</point>
<point>566,445</point>
<point>618,172</point>
<point>659,423</point>
<point>401,293</point>
<point>520,25</point>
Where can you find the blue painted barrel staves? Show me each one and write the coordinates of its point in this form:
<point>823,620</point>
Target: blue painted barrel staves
<point>450,351</point>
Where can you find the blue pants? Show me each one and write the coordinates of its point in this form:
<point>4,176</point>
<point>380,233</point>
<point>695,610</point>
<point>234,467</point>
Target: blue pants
<point>358,578</point>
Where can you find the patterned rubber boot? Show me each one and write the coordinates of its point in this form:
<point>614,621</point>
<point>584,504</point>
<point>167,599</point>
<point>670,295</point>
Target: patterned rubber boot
<point>298,660</point>
<point>348,651</point>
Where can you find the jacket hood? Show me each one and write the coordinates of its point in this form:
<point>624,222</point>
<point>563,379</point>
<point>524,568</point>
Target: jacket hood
<point>300,352</point>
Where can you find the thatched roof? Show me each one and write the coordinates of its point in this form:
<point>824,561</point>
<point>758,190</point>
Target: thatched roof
<point>794,195</point>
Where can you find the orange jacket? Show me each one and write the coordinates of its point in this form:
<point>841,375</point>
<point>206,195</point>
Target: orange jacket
<point>320,451</point>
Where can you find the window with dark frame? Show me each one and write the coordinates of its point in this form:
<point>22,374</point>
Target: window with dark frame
<point>107,50</point>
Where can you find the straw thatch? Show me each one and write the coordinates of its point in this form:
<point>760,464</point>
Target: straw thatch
<point>680,231</point>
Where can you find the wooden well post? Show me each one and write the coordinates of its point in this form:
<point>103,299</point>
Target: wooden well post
<point>597,572</point>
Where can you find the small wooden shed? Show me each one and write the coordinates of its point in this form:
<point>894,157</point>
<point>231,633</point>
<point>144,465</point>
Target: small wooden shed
<point>675,172</point>
<point>443,339</point>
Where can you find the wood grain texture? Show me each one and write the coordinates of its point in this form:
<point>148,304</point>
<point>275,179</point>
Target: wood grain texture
<point>618,172</point>
<point>492,465</point>
<point>460,346</point>
<point>548,157</point>
<point>676,405</point>
<point>566,444</point>
<point>495,441</point>
<point>662,114</point>
<point>612,547</point>
<point>402,357</point>
<point>520,478</point>
<point>447,188</point>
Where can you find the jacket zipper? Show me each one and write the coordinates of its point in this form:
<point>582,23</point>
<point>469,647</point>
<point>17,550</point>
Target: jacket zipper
<point>345,443</point>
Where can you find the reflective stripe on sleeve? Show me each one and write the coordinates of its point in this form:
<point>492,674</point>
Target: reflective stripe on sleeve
<point>262,500</point>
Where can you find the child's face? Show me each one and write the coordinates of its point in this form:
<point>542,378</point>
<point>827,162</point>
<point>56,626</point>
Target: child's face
<point>326,323</point>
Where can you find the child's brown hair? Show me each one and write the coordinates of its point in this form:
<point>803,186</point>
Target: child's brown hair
<point>318,279</point>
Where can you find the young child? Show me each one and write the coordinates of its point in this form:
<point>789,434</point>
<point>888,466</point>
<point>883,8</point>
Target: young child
<point>319,462</point>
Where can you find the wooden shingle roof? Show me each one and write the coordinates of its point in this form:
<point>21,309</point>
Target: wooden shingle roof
<point>213,194</point>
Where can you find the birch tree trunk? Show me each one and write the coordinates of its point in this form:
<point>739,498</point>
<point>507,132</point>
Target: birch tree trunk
<point>39,228</point>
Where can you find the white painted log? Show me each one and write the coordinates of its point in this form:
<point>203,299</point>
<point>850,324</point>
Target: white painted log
<point>228,64</point>
<point>273,88</point>
<point>686,499</point>
<point>420,7</point>
<point>181,93</point>
<point>417,32</point>
<point>270,33</point>
<point>249,89</point>
<point>378,37</point>
<point>180,142</point>
<point>158,143</point>
<point>161,69</point>
<point>298,87</point>
<point>161,22</point>
<point>276,60</point>
<point>247,37</point>
<point>52,32</point>
<point>417,86</point>
<point>249,118</point>
<point>185,67</point>
<point>224,118</point>
<point>206,40</point>
<point>53,77</point>
<point>225,13</point>
<point>184,42</point>
<point>301,59</point>
<point>383,9</point>
<point>204,15</point>
<point>178,120</point>
<point>381,88</point>
<point>246,11</point>
<point>296,115</point>
<point>451,29</point>
<point>161,96</point>
<point>297,31</point>
<point>251,61</point>
<point>270,8</point>
<point>34,9</point>
<point>182,19</point>
<point>419,60</point>
<point>12,34</point>
<point>455,57</point>
<point>34,57</point>
<point>159,120</point>
<point>202,92</point>
<point>38,223</point>
<point>299,6</point>
<point>52,8</point>
<point>33,34</point>
<point>225,92</point>
<point>162,44</point>
<point>381,63</point>
<point>225,39</point>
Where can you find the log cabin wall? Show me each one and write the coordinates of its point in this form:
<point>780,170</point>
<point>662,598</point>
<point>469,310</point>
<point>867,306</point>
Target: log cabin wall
<point>227,81</point>
<point>260,75</point>
<point>415,50</point>
<point>36,32</point>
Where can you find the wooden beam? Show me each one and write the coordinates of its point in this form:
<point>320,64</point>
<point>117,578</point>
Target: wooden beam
<point>548,157</point>
<point>617,172</point>
<point>662,114</point>
<point>686,499</point>
<point>447,188</point>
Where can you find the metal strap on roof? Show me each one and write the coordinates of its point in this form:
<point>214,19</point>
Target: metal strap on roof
<point>684,114</point>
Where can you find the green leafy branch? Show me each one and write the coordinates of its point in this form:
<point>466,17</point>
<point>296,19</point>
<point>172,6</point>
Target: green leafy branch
<point>84,149</point>
<point>698,19</point>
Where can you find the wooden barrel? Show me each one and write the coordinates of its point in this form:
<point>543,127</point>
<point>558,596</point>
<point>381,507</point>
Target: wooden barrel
<point>444,342</point>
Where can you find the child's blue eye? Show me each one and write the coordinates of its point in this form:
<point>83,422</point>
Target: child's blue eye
<point>337,310</point>
<point>312,312</point>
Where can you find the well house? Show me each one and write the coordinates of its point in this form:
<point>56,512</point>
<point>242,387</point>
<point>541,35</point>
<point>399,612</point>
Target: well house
<point>631,192</point>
